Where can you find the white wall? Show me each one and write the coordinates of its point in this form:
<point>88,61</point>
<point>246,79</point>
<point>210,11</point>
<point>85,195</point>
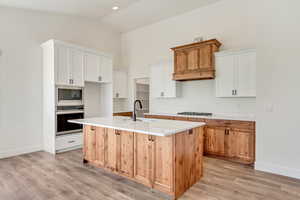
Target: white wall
<point>21,34</point>
<point>278,70</point>
<point>229,21</point>
<point>272,26</point>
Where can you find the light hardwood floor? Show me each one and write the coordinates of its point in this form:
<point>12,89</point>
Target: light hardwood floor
<point>41,176</point>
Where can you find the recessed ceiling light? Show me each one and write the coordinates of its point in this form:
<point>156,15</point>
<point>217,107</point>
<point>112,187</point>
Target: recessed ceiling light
<point>115,8</point>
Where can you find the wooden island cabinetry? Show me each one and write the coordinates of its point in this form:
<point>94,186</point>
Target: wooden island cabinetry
<point>170,164</point>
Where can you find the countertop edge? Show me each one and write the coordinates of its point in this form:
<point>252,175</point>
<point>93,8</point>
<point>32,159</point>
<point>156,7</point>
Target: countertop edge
<point>217,117</point>
<point>201,124</point>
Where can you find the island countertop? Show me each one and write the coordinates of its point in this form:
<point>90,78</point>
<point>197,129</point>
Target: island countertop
<point>157,127</point>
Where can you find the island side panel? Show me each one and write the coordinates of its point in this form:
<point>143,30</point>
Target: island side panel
<point>188,159</point>
<point>163,165</point>
<point>89,144</point>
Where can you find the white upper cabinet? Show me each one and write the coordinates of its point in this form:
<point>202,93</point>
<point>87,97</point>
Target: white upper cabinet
<point>162,84</point>
<point>246,74</point>
<point>77,67</point>
<point>236,73</point>
<point>62,67</point>
<point>98,68</point>
<point>92,67</point>
<point>120,89</point>
<point>69,66</point>
<point>106,69</point>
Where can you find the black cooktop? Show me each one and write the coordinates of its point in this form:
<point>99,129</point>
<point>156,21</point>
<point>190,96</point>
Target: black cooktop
<point>195,113</point>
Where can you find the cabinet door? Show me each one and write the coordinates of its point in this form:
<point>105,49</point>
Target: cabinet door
<point>246,75</point>
<point>163,158</point>
<point>181,61</point>
<point>62,65</point>
<point>192,59</point>
<point>92,67</point>
<point>230,144</point>
<point>143,151</point>
<point>125,153</point>
<point>105,72</point>
<point>169,84</point>
<point>100,138</point>
<point>245,145</point>
<point>214,141</point>
<point>225,75</point>
<point>111,150</point>
<point>89,143</point>
<point>77,67</point>
<point>120,84</point>
<point>157,82</point>
<point>205,60</point>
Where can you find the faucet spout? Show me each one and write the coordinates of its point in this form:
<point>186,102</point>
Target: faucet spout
<point>134,108</point>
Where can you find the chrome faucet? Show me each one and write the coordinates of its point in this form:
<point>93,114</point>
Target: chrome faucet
<point>134,108</point>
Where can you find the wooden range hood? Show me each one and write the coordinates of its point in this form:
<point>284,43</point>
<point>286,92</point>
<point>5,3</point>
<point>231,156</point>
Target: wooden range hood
<point>195,61</point>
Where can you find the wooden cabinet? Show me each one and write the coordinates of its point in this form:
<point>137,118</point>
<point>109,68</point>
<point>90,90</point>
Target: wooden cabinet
<point>120,88</point>
<point>236,73</point>
<point>170,164</point>
<point>163,158</point>
<point>111,151</point>
<point>229,139</point>
<point>162,84</point>
<point>244,145</point>
<point>69,66</point>
<point>143,153</point>
<point>125,153</point>
<point>215,141</point>
<point>195,61</point>
<point>109,148</point>
<point>98,68</point>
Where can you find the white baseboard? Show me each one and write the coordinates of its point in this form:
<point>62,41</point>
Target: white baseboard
<point>277,169</point>
<point>19,151</point>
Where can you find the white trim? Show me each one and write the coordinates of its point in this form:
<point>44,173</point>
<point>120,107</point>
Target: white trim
<point>277,169</point>
<point>19,151</point>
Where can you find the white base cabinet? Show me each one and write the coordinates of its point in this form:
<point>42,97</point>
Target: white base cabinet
<point>67,142</point>
<point>236,73</point>
<point>162,83</point>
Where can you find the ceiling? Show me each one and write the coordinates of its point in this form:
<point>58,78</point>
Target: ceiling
<point>132,13</point>
<point>146,12</point>
<point>85,8</point>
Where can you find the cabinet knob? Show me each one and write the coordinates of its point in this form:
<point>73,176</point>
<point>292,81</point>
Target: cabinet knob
<point>117,95</point>
<point>99,78</point>
<point>162,94</point>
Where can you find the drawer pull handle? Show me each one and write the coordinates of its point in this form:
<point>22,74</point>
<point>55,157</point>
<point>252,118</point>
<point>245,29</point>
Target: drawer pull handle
<point>72,141</point>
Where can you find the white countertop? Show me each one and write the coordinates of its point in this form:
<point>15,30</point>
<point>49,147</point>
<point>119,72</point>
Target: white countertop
<point>214,116</point>
<point>157,127</point>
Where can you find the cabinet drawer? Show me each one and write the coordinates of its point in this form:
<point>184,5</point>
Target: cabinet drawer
<point>231,124</point>
<point>68,141</point>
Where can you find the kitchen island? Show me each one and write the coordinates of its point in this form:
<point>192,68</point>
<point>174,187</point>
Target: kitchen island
<point>166,155</point>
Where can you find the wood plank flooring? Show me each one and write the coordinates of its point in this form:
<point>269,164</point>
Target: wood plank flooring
<point>41,176</point>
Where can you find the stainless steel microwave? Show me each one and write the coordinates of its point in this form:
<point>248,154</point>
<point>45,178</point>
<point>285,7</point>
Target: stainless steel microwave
<point>69,96</point>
